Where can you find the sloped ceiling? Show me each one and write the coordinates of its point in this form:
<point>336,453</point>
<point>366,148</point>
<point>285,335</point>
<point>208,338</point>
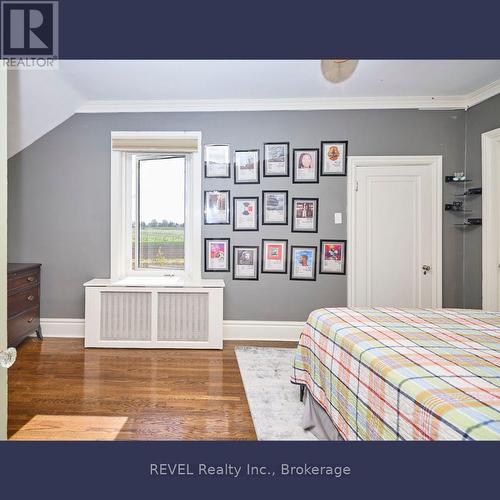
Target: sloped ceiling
<point>39,100</point>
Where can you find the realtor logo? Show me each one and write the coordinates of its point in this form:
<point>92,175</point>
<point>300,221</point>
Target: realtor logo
<point>29,30</point>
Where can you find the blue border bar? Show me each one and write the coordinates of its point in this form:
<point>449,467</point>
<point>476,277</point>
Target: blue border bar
<point>278,29</point>
<point>123,470</point>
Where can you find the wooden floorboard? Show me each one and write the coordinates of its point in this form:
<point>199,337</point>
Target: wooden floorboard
<point>58,390</point>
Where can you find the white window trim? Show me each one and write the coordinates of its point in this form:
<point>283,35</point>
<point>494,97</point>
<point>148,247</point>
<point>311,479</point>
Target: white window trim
<point>121,198</point>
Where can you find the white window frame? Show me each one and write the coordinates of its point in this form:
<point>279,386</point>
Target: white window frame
<point>121,208</point>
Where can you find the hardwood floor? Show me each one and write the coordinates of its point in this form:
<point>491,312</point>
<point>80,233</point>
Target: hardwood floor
<point>59,390</point>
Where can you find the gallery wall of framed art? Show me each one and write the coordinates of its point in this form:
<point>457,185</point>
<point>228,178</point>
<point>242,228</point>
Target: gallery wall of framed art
<point>270,146</point>
<point>278,231</point>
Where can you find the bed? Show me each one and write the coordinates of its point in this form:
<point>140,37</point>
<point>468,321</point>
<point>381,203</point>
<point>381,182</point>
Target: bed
<point>402,374</point>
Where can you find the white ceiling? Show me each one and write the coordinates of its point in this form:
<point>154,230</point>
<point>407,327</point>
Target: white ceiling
<point>40,100</point>
<point>159,80</point>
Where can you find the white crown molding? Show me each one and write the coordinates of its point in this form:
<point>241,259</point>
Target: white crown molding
<point>483,93</point>
<point>293,104</point>
<point>233,330</point>
<point>289,104</point>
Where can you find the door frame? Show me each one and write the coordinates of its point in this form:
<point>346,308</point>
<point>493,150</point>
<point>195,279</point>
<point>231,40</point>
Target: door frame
<point>433,162</point>
<point>3,247</point>
<point>490,236</point>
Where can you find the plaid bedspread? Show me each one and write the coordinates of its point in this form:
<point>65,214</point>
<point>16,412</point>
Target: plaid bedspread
<point>400,374</point>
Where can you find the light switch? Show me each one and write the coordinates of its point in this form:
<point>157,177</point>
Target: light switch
<point>338,217</point>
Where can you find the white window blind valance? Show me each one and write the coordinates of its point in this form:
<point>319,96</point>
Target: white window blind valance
<point>171,144</point>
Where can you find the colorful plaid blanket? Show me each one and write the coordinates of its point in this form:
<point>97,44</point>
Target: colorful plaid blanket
<point>400,374</point>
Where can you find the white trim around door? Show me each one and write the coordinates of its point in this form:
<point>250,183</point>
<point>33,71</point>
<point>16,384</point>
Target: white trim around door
<point>3,247</point>
<point>434,163</point>
<point>490,152</point>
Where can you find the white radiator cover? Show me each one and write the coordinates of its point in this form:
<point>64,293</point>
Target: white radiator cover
<point>153,317</point>
<point>125,316</point>
<point>183,316</point>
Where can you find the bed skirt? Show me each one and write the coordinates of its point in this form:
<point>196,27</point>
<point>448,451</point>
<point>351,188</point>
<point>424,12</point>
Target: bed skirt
<point>317,421</point>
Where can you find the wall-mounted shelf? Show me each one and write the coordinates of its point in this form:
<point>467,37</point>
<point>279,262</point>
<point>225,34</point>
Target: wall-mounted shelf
<point>456,207</point>
<point>449,178</point>
<point>471,222</point>
<point>472,192</point>
<point>456,211</point>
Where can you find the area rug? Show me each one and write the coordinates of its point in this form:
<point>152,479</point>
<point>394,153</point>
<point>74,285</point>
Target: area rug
<point>273,400</point>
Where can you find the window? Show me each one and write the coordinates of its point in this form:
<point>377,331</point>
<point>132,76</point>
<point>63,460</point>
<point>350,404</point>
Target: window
<point>156,204</point>
<point>158,212</point>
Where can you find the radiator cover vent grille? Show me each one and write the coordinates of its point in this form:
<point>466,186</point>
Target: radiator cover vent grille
<point>183,316</point>
<point>125,316</point>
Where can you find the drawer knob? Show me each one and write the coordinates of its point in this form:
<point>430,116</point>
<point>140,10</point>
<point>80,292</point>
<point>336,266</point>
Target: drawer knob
<point>31,298</point>
<point>31,278</point>
<point>30,320</point>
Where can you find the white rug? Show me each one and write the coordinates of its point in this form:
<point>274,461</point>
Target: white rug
<point>273,400</point>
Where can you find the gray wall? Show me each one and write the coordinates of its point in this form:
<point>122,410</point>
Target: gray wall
<point>59,205</point>
<point>481,118</point>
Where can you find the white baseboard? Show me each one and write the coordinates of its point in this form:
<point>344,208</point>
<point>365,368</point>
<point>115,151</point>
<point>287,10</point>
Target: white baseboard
<point>233,330</point>
<point>262,330</point>
<point>63,327</point>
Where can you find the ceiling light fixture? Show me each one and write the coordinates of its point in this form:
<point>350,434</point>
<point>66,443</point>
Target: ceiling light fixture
<point>338,70</point>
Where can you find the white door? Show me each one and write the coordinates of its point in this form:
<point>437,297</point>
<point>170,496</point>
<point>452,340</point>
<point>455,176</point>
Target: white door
<point>491,219</point>
<point>3,249</point>
<point>395,228</point>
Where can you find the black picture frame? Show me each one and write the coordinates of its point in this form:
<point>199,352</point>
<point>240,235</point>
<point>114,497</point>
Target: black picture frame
<point>316,165</point>
<point>235,218</point>
<point>344,162</point>
<point>333,240</point>
<point>256,262</point>
<point>205,220</point>
<point>263,253</point>
<point>228,267</point>
<point>315,229</point>
<point>205,162</point>
<point>264,223</point>
<point>264,170</point>
<point>315,250</point>
<point>236,178</point>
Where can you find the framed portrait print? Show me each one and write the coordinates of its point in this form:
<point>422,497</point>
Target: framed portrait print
<point>276,159</point>
<point>274,256</point>
<point>305,165</point>
<point>217,207</point>
<point>303,263</point>
<point>246,214</point>
<point>275,207</point>
<point>332,259</point>
<point>246,167</point>
<point>217,257</point>
<point>217,161</point>
<point>305,215</point>
<point>246,263</point>
<point>334,158</point>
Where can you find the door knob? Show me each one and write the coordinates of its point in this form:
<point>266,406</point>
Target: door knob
<point>8,357</point>
<point>425,269</point>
